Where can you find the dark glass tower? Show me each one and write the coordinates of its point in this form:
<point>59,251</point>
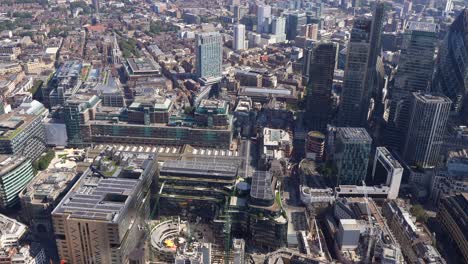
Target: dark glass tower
<point>451,76</point>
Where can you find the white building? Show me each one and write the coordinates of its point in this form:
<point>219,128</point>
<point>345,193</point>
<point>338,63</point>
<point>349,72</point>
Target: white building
<point>11,231</point>
<point>239,42</point>
<point>387,168</point>
<point>348,234</point>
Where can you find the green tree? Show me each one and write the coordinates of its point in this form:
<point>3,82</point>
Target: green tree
<point>418,211</point>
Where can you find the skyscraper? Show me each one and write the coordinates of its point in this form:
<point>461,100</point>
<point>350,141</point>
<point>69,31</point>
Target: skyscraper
<point>375,47</point>
<point>354,105</point>
<point>351,157</point>
<point>263,13</point>
<point>428,117</point>
<point>294,23</point>
<point>239,37</point>
<point>452,65</point>
<point>321,68</point>
<point>209,55</point>
<point>278,28</point>
<point>414,74</point>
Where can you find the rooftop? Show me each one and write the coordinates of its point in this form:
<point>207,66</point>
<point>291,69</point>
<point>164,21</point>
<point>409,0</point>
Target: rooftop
<point>11,227</point>
<point>12,123</point>
<point>421,26</point>
<point>261,186</point>
<point>103,196</point>
<point>9,162</point>
<point>143,65</point>
<point>199,168</point>
<point>354,134</point>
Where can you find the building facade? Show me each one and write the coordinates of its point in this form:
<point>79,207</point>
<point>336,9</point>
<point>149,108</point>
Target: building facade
<point>239,37</point>
<point>209,53</point>
<point>22,135</point>
<point>100,218</point>
<point>15,173</point>
<point>355,98</point>
<point>351,155</point>
<point>452,67</point>
<point>319,72</point>
<point>428,117</point>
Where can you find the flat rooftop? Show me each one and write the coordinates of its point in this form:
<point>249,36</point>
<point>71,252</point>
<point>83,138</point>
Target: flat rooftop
<point>103,196</point>
<point>354,134</point>
<point>9,226</point>
<point>143,65</point>
<point>12,123</point>
<point>431,98</point>
<point>421,26</point>
<point>199,168</point>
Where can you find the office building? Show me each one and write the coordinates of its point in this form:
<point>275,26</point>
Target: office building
<point>278,28</point>
<point>453,216</point>
<point>414,74</point>
<point>348,234</point>
<point>319,68</point>
<point>428,117</point>
<point>78,110</point>
<point>387,171</point>
<point>99,220</point>
<point>15,173</point>
<point>140,68</point>
<point>209,53</point>
<point>263,16</point>
<point>354,106</point>
<point>315,146</point>
<point>239,42</point>
<point>452,66</point>
<point>294,23</point>
<point>196,186</point>
<point>41,196</point>
<point>351,155</point>
<point>22,135</point>
<point>375,47</point>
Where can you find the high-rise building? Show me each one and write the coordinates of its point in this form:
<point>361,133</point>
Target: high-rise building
<point>319,67</point>
<point>351,154</point>
<point>22,135</point>
<point>452,65</point>
<point>209,55</point>
<point>15,173</point>
<point>387,171</point>
<point>414,74</point>
<point>453,215</point>
<point>294,22</point>
<point>360,80</point>
<point>417,59</point>
<point>427,123</point>
<point>263,15</point>
<point>239,37</point>
<point>100,219</point>
<point>375,48</point>
<point>355,99</point>
<point>278,28</point>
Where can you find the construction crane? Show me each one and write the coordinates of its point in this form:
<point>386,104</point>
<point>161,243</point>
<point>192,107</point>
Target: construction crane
<point>371,227</point>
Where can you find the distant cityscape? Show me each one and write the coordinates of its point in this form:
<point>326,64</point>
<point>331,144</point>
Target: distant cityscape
<point>233,131</point>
